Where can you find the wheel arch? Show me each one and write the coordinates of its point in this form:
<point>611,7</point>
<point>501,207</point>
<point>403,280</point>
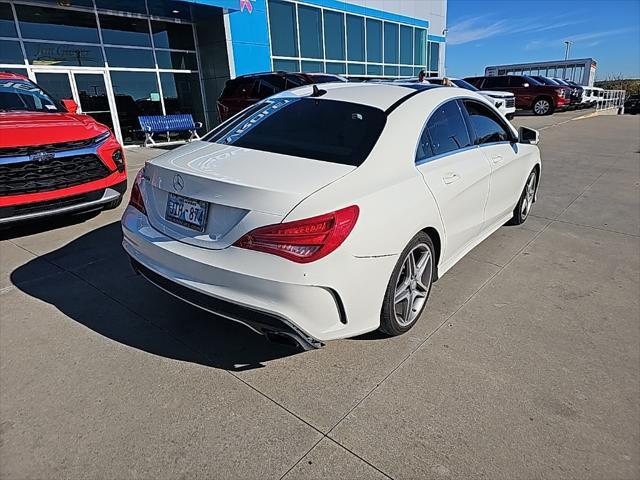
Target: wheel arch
<point>437,245</point>
<point>545,96</point>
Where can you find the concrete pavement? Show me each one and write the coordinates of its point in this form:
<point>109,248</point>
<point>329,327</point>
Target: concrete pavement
<point>525,364</point>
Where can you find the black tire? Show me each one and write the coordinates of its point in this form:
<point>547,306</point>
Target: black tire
<point>113,204</point>
<point>523,208</point>
<point>396,321</point>
<point>542,106</point>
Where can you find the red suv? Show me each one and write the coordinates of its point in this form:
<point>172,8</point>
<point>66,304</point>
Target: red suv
<point>244,91</point>
<point>52,159</point>
<point>530,94</point>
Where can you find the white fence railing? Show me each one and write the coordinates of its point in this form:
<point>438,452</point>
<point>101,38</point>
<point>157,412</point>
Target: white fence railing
<point>610,100</point>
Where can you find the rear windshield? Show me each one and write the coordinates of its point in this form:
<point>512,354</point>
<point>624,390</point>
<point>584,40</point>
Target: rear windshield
<point>327,130</point>
<point>22,95</point>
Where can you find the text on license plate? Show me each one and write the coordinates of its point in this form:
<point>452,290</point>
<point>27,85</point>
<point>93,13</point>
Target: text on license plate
<point>187,212</point>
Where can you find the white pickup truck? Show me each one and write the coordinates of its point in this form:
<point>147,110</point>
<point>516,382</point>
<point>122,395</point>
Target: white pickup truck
<point>503,101</point>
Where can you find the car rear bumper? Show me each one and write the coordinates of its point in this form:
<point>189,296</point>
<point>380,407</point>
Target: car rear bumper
<point>84,201</point>
<point>270,295</point>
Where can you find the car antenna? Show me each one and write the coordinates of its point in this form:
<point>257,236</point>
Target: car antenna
<point>317,92</point>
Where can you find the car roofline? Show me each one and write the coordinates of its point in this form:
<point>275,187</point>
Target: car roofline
<point>416,87</point>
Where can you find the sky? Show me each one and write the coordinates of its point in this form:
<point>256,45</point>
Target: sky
<point>496,32</point>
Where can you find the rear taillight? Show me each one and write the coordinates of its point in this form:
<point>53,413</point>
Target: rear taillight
<point>303,241</point>
<point>136,200</point>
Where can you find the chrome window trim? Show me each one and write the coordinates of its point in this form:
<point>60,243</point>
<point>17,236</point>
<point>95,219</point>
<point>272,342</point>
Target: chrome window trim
<point>443,155</point>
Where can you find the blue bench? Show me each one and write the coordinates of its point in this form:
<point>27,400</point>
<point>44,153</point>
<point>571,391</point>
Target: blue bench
<point>151,124</point>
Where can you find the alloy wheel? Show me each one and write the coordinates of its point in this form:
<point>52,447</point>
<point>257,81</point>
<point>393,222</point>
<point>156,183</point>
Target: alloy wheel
<point>528,196</point>
<point>412,286</point>
<point>541,107</point>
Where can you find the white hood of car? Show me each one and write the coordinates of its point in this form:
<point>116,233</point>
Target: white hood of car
<point>495,94</point>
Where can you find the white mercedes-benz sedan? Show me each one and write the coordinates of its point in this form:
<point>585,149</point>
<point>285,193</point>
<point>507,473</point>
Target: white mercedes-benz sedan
<point>319,214</point>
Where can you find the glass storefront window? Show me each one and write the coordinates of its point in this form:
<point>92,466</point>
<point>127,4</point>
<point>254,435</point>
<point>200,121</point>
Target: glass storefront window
<point>125,31</point>
<point>420,47</point>
<point>355,38</point>
<point>406,45</point>
<point>129,57</point>
<point>286,65</point>
<point>76,3</point>
<point>337,68</point>
<point>21,71</point>
<point>284,39</point>
<point>181,93</point>
<point>10,52</point>
<point>334,35</point>
<point>312,67</point>
<point>356,69</point>
<point>55,84</point>
<point>136,94</point>
<point>59,54</point>
<point>168,8</point>
<point>406,71</point>
<point>391,71</point>
<point>57,24</point>
<point>120,5</point>
<point>374,40</point>
<point>374,70</point>
<point>434,56</point>
<point>7,25</point>
<point>178,36</point>
<point>390,42</point>
<point>176,60</point>
<point>310,21</point>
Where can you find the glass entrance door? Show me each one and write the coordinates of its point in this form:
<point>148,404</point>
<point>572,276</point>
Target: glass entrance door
<point>92,97</point>
<point>58,84</point>
<point>88,89</point>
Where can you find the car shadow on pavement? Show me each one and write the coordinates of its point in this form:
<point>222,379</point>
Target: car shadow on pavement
<point>97,288</point>
<point>45,225</point>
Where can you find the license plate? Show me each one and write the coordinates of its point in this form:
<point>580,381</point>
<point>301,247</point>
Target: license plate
<point>187,212</point>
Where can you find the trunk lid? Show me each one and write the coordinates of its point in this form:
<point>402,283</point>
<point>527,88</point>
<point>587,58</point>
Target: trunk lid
<point>244,188</point>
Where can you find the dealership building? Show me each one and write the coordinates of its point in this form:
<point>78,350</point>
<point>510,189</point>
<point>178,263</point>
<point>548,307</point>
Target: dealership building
<point>123,58</point>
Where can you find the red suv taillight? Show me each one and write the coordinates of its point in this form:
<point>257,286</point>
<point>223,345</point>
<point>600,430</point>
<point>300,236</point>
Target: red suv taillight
<point>135,200</point>
<point>303,241</point>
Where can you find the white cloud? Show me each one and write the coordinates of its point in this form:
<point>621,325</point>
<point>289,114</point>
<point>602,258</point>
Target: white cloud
<point>487,26</point>
<point>593,38</point>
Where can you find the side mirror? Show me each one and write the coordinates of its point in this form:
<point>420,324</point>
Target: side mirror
<point>525,84</point>
<point>70,105</point>
<point>528,135</point>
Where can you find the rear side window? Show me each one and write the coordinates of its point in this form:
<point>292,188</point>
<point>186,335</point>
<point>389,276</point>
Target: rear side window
<point>267,86</point>
<point>517,81</point>
<point>486,124</point>
<point>327,130</point>
<point>496,82</point>
<point>240,87</point>
<point>445,132</point>
<point>294,81</point>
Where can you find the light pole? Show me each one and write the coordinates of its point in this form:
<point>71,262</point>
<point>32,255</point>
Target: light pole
<point>568,44</point>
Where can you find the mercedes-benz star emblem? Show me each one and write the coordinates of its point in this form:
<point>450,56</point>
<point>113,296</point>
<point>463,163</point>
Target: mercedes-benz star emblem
<point>178,182</point>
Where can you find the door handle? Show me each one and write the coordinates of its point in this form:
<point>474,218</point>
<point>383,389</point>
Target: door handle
<point>450,178</point>
<point>496,159</point>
